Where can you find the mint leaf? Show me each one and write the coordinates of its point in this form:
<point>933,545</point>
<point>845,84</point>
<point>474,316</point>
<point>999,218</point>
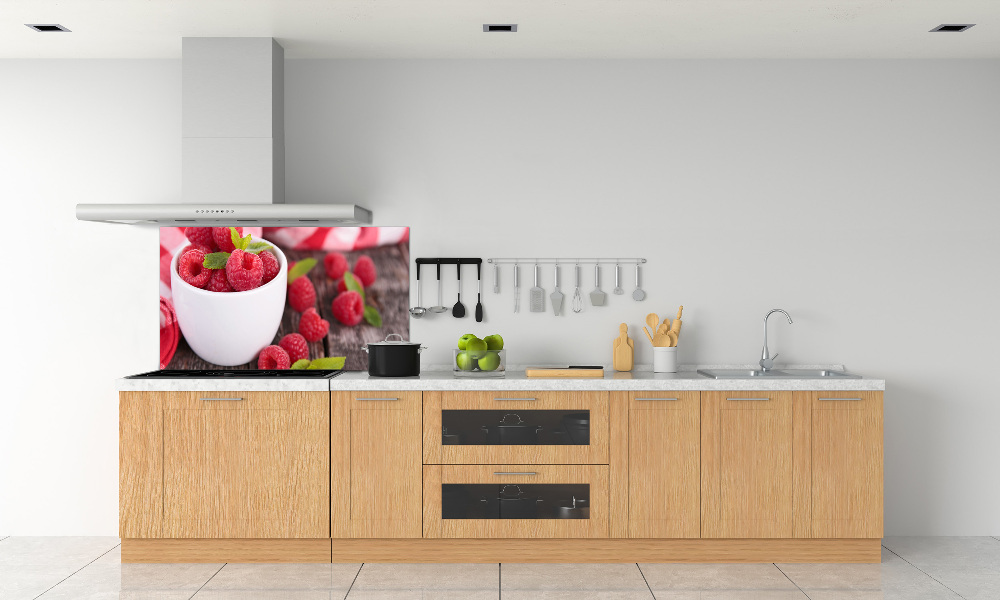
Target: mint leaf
<point>352,284</point>
<point>235,237</point>
<point>301,268</point>
<point>372,316</point>
<point>330,362</point>
<point>216,260</point>
<point>301,364</point>
<point>257,247</point>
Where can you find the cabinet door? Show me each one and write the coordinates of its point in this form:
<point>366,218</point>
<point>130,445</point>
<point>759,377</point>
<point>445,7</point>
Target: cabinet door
<point>490,428</point>
<point>847,464</point>
<point>746,457</point>
<point>376,465</point>
<point>246,465</point>
<point>663,457</point>
<point>140,468</point>
<point>516,501</point>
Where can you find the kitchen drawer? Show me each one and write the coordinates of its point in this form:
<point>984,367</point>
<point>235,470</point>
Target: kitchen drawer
<point>515,501</point>
<point>238,400</point>
<point>515,427</point>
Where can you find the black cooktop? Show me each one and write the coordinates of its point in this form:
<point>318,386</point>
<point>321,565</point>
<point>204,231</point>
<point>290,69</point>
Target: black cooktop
<point>239,374</point>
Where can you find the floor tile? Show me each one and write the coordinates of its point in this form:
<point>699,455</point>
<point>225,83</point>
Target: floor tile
<point>166,577</point>
<point>971,584</point>
<point>748,595</point>
<point>64,551</point>
<point>565,581</point>
<point>665,577</point>
<point>426,582</point>
<point>271,594</point>
<point>840,577</point>
<point>24,582</point>
<point>335,577</point>
<point>958,552</point>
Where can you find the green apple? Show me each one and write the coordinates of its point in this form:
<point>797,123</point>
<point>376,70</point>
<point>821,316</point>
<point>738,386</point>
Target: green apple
<point>490,361</point>
<point>465,361</point>
<point>494,342</point>
<point>476,347</point>
<point>462,341</point>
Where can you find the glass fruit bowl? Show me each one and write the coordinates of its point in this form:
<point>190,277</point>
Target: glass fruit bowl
<point>484,363</point>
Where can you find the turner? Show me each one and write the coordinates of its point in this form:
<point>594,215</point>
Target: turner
<point>557,296</point>
<point>536,296</point>
<point>597,297</point>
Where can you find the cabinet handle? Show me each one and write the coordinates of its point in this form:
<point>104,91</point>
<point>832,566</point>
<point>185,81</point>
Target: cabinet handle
<point>656,399</point>
<point>742,399</point>
<point>377,399</point>
<point>515,399</point>
<point>226,399</point>
<point>840,399</point>
<point>514,473</point>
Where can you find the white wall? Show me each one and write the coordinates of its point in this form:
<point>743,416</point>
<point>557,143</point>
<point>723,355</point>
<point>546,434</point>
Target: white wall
<point>860,196</point>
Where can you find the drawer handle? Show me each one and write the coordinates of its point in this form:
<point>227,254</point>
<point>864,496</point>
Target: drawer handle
<point>515,399</point>
<point>840,399</point>
<point>377,399</point>
<point>225,399</point>
<point>656,399</point>
<point>514,473</point>
<point>744,399</point>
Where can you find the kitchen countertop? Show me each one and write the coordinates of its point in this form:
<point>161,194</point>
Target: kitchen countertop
<point>641,379</point>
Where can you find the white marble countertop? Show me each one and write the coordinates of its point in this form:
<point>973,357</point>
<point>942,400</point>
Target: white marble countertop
<point>640,379</point>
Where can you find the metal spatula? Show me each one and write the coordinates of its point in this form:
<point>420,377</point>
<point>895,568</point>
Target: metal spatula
<point>536,296</point>
<point>597,297</point>
<point>557,296</point>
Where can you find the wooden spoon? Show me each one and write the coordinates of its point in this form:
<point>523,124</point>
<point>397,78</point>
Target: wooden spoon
<point>673,338</point>
<point>653,321</point>
<point>649,336</point>
<point>661,339</point>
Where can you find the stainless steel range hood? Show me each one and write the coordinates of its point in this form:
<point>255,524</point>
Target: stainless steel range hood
<point>233,145</point>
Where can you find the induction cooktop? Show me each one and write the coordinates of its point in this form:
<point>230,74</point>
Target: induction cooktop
<point>239,374</point>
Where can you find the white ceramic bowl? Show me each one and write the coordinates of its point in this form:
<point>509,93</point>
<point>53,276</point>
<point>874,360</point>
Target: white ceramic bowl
<point>229,328</point>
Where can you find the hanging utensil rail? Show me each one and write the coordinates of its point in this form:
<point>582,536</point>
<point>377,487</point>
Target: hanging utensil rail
<point>566,261</point>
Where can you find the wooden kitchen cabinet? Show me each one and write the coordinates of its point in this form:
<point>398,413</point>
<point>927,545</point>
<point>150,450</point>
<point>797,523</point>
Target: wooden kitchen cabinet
<point>841,495</point>
<point>664,446</point>
<point>233,464</point>
<point>746,465</point>
<point>375,481</point>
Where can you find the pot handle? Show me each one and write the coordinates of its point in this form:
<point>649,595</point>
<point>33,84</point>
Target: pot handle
<point>421,348</point>
<point>365,348</point>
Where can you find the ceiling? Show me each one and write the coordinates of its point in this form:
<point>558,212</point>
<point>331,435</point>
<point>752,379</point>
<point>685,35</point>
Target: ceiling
<point>546,28</point>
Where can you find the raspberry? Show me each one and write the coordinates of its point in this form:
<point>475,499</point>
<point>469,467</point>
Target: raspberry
<point>296,346</point>
<point>271,266</point>
<point>349,308</point>
<point>342,287</point>
<point>203,248</point>
<point>335,264</point>
<point>218,282</point>
<point>224,238</point>
<point>312,326</point>
<point>364,270</point>
<point>301,294</point>
<point>244,271</point>
<point>200,236</point>
<point>273,357</point>
<point>191,268</point>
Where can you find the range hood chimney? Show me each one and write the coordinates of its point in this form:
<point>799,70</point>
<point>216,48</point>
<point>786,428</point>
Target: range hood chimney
<point>233,145</point>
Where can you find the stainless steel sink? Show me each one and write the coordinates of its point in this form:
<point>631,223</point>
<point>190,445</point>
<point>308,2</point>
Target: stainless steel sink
<point>777,374</point>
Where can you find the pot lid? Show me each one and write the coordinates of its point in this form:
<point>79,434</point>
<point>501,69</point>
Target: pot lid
<point>399,341</point>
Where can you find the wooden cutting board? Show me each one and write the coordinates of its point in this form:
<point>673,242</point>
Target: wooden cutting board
<point>564,372</point>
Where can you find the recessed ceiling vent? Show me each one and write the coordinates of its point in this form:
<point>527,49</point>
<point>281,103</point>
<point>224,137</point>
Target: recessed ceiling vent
<point>952,27</point>
<point>45,28</point>
<point>510,28</point>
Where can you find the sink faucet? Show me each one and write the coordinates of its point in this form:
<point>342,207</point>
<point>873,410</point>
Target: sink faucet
<point>766,360</point>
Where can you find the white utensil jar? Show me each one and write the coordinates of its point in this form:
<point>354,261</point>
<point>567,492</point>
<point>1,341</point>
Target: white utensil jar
<point>665,359</point>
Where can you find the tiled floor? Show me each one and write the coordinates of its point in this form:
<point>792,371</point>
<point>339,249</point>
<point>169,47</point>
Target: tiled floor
<point>913,568</point>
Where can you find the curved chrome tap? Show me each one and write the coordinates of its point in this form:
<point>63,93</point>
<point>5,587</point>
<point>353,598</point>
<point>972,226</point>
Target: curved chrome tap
<point>766,360</point>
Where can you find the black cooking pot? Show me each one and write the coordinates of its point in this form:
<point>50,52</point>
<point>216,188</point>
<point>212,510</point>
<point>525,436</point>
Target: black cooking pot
<point>514,432</point>
<point>393,357</point>
<point>515,504</point>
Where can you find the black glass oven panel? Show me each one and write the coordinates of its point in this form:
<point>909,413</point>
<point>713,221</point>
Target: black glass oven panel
<point>515,501</point>
<point>515,427</point>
